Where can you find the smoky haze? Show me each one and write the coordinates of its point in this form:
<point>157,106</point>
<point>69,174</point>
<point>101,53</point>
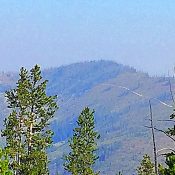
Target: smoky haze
<point>52,33</point>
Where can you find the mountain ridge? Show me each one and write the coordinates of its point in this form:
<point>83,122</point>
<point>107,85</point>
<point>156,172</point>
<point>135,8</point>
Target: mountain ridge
<point>120,114</point>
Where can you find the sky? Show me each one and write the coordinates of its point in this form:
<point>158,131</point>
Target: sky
<point>139,33</point>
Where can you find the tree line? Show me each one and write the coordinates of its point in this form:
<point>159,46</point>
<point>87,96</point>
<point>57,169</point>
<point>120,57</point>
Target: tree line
<point>27,134</point>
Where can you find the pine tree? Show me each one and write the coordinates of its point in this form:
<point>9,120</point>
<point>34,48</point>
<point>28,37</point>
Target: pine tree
<point>4,163</point>
<point>83,146</point>
<point>170,162</point>
<point>26,128</point>
<point>170,157</point>
<point>146,166</point>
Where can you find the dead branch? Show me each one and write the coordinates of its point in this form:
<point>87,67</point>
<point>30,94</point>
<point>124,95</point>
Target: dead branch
<point>166,120</point>
<point>161,131</point>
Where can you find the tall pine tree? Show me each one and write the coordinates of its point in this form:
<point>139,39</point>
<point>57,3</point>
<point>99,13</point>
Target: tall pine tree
<point>83,145</point>
<point>26,128</point>
<point>146,166</point>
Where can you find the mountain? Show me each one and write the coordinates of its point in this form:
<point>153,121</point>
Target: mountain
<point>120,114</point>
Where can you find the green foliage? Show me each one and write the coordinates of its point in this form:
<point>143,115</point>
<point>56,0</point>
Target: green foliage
<point>26,132</point>
<point>4,163</point>
<point>170,157</point>
<point>146,166</point>
<point>171,131</point>
<point>170,162</point>
<point>161,169</point>
<point>83,146</point>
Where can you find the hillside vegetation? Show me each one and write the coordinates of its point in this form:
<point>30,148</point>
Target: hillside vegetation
<point>120,115</point>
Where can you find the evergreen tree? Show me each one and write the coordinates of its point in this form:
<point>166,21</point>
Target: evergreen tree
<point>83,146</point>
<point>26,128</point>
<point>170,162</point>
<point>4,163</point>
<point>146,166</point>
<point>170,157</point>
<point>171,131</point>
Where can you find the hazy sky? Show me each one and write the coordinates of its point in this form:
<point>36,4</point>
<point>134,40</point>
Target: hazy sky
<point>140,33</point>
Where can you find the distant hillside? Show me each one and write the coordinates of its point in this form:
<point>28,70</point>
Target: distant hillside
<point>76,79</point>
<point>7,80</point>
<point>120,114</point>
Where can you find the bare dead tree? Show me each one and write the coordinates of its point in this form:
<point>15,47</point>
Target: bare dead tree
<point>171,92</point>
<point>153,138</point>
<point>151,117</point>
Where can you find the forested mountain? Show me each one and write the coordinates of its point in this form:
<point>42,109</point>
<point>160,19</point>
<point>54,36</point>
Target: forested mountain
<point>120,114</point>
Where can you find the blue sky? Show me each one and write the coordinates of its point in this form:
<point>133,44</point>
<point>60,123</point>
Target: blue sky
<point>140,33</point>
